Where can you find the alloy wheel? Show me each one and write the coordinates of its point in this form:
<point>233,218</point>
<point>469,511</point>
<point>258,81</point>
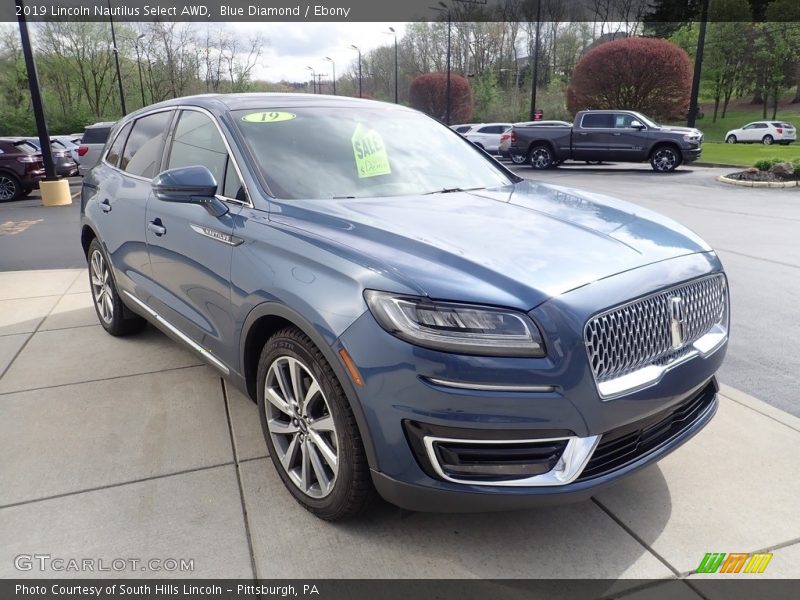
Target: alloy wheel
<point>665,159</point>
<point>101,287</point>
<point>518,159</point>
<point>540,158</point>
<point>301,427</point>
<point>8,188</point>
<point>768,140</point>
<point>731,139</point>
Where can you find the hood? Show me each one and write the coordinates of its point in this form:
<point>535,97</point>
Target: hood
<point>678,129</point>
<point>512,246</point>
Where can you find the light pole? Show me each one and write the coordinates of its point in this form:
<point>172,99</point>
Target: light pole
<point>357,49</point>
<point>445,8</point>
<point>313,79</point>
<point>116,59</point>
<point>698,65</point>
<point>394,33</point>
<point>333,70</point>
<point>535,78</point>
<point>139,64</point>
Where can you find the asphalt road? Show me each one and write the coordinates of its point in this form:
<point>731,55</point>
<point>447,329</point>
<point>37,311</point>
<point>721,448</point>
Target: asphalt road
<point>755,231</point>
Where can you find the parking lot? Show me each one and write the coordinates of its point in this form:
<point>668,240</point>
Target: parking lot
<point>131,448</point>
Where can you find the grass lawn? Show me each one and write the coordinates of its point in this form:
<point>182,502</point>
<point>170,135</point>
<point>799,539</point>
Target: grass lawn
<point>746,154</point>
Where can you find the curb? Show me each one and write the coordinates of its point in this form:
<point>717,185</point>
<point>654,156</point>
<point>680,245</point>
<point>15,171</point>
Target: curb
<point>758,184</point>
<point>717,165</point>
<point>760,406</point>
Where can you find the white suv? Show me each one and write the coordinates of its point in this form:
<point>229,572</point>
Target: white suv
<point>487,136</point>
<point>764,132</point>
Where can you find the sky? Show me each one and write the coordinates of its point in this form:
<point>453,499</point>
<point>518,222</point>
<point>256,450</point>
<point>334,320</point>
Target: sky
<point>291,47</point>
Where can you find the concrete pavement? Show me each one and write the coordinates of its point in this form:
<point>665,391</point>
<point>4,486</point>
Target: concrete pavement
<point>132,448</point>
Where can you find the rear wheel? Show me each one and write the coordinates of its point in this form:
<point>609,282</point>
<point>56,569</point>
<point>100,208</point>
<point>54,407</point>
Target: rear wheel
<point>541,157</point>
<point>10,188</point>
<point>112,314</point>
<point>731,139</point>
<point>518,159</point>
<point>767,140</point>
<point>310,430</point>
<point>665,159</point>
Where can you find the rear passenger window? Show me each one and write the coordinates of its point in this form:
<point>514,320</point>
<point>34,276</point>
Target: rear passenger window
<point>96,135</point>
<point>115,151</point>
<point>595,121</point>
<point>142,154</point>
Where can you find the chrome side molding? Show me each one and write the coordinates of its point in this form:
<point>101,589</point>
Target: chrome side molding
<point>488,387</point>
<point>179,334</point>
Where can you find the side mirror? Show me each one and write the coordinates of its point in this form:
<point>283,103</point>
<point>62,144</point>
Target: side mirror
<point>637,125</point>
<point>190,185</point>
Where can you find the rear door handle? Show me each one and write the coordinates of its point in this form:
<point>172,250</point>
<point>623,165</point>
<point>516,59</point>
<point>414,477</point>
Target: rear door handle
<point>105,206</point>
<point>157,227</point>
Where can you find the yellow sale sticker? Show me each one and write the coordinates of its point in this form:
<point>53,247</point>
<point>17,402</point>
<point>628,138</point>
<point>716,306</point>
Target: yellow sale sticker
<point>370,153</point>
<point>269,117</point>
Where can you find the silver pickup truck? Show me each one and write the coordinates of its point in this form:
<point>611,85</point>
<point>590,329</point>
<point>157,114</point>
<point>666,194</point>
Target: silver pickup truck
<point>607,135</point>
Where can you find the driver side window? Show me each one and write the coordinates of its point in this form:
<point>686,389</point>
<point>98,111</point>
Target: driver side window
<point>197,141</point>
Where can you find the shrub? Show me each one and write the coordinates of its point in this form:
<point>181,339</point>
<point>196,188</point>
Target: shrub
<point>428,93</point>
<point>649,75</point>
<point>765,164</point>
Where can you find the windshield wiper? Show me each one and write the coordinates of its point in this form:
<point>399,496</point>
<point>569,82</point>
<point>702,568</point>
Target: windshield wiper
<point>452,190</point>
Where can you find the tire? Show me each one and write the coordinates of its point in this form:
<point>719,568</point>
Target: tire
<point>731,139</point>
<point>115,318</point>
<point>665,159</point>
<point>336,484</point>
<point>518,159</point>
<point>767,140</point>
<point>541,157</point>
<point>10,188</point>
<point>26,192</point>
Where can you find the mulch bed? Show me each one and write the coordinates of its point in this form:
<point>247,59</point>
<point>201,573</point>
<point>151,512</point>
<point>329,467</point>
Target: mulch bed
<point>762,176</point>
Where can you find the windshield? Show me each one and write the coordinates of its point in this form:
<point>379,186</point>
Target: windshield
<point>326,152</point>
<point>646,121</point>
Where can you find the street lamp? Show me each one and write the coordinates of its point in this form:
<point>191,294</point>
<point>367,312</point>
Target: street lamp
<point>313,79</point>
<point>333,70</point>
<point>357,49</point>
<point>535,78</point>
<point>116,59</point>
<point>394,33</point>
<point>445,8</point>
<point>139,64</point>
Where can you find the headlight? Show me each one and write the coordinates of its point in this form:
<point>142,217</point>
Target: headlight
<point>691,137</point>
<point>459,328</point>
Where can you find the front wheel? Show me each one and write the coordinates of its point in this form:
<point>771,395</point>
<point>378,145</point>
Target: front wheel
<point>541,157</point>
<point>310,429</point>
<point>767,140</point>
<point>731,139</point>
<point>665,159</point>
<point>107,302</point>
<point>10,188</point>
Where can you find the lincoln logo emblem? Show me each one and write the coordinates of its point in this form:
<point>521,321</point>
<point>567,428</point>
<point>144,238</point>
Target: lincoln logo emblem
<point>676,321</point>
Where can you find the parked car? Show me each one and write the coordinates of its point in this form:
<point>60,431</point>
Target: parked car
<point>505,139</point>
<point>92,143</point>
<point>608,135</point>
<point>444,332</point>
<point>68,143</point>
<point>62,159</point>
<point>763,132</point>
<point>462,129</point>
<point>21,168</point>
<point>487,136</point>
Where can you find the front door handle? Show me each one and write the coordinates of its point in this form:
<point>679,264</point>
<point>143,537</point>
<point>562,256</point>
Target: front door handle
<point>105,206</point>
<point>157,227</point>
<point>617,134</point>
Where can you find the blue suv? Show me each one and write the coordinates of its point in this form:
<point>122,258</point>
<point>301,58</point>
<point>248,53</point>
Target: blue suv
<point>421,324</point>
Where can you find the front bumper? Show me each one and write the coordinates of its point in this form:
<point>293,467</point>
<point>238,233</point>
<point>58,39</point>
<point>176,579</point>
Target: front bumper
<point>692,154</point>
<point>441,498</point>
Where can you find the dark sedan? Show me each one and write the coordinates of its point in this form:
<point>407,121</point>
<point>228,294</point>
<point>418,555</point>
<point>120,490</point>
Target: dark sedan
<point>62,158</point>
<point>441,332</point>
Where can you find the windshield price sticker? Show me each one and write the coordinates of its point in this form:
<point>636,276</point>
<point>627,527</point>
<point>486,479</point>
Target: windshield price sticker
<point>370,153</point>
<point>269,117</point>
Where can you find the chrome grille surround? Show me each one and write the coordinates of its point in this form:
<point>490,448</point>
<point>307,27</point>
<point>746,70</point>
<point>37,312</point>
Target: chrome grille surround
<point>631,346</point>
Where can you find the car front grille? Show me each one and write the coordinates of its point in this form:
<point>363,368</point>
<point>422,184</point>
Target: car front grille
<point>641,333</point>
<point>627,444</point>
